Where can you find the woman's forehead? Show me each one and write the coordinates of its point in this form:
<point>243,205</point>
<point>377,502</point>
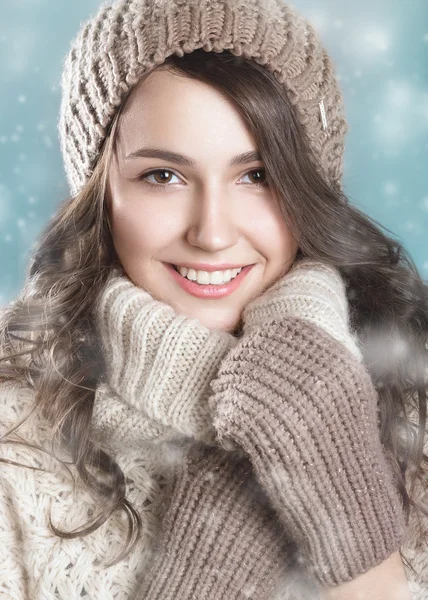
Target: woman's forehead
<point>185,116</point>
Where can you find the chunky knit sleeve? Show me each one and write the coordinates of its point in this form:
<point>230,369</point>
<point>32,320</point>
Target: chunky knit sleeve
<point>305,411</point>
<point>220,538</point>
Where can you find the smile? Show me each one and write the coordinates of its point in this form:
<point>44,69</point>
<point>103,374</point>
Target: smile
<point>202,285</point>
<point>206,277</point>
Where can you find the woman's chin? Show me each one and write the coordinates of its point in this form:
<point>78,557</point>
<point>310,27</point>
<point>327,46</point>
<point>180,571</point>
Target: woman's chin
<point>211,319</point>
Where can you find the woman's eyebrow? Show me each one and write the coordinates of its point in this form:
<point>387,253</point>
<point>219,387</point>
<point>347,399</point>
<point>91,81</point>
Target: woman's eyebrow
<point>180,159</point>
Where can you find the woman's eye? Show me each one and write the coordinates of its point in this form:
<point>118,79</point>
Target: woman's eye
<point>160,179</point>
<point>259,180</point>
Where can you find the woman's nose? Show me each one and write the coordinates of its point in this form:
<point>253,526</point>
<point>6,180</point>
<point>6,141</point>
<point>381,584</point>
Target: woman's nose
<point>213,225</point>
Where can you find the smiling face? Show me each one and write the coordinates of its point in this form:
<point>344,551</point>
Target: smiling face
<point>207,209</point>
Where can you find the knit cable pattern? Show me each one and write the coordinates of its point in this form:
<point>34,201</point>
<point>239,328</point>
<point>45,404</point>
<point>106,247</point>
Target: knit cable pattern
<point>127,39</point>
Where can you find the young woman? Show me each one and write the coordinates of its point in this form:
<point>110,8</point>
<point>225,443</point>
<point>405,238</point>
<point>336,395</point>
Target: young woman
<point>213,382</point>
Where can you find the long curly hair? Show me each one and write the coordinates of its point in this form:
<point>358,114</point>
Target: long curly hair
<point>48,339</point>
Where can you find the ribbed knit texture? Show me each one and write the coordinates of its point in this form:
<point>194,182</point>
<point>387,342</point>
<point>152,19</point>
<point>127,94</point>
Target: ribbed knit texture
<point>312,291</point>
<point>127,39</point>
<point>304,410</point>
<point>160,366</point>
<point>221,539</point>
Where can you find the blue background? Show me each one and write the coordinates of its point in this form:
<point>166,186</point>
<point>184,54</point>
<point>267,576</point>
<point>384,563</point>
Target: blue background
<point>380,49</point>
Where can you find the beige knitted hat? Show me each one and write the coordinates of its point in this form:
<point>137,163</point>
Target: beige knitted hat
<point>128,38</point>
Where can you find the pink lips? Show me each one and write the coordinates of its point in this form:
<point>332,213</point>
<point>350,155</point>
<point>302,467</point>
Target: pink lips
<point>208,291</point>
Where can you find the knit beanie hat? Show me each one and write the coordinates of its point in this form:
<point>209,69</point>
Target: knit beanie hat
<point>127,39</point>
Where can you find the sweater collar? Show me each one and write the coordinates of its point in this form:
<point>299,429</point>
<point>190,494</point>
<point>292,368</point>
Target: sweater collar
<point>159,365</point>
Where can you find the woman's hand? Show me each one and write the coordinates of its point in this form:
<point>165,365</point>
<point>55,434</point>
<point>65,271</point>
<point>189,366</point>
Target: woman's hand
<point>294,395</point>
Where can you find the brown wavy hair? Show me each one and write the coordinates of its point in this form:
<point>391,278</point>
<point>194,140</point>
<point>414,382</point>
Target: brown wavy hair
<point>47,335</point>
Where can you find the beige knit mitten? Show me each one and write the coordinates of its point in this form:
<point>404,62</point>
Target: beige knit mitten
<point>295,396</point>
<point>220,537</point>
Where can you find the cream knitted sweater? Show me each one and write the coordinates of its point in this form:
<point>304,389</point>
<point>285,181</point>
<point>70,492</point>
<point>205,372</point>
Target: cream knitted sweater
<point>150,411</point>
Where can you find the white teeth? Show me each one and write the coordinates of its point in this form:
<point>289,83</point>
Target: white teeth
<point>212,278</point>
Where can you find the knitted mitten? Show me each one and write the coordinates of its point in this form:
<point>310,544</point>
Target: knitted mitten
<point>295,396</point>
<point>220,539</point>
